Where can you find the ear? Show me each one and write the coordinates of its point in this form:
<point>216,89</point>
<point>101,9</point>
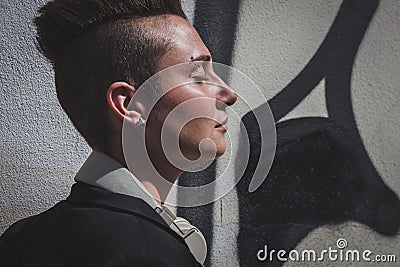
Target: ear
<point>119,95</point>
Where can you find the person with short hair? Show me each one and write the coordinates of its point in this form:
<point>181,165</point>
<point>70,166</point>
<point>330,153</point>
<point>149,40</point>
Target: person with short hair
<point>102,52</point>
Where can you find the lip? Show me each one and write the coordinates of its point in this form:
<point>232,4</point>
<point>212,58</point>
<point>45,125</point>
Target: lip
<point>223,125</point>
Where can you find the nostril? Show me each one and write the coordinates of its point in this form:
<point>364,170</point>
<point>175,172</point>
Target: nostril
<point>231,97</point>
<point>226,97</point>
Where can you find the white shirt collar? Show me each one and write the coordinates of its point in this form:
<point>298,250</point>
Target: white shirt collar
<point>102,171</point>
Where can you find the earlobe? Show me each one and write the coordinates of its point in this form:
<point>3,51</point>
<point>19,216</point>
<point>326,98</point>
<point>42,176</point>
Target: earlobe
<point>134,118</point>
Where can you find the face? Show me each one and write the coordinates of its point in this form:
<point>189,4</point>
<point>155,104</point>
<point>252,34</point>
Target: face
<point>195,111</point>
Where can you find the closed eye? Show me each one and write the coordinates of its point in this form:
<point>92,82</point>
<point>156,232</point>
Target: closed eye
<point>198,73</point>
<point>200,78</point>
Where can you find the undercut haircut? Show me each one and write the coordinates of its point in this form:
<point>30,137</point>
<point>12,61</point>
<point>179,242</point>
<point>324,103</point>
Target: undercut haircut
<point>93,43</point>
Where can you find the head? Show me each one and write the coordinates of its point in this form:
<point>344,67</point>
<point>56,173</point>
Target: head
<point>103,50</point>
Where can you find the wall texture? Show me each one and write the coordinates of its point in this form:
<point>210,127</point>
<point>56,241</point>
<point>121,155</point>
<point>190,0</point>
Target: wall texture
<point>330,71</point>
<point>40,150</point>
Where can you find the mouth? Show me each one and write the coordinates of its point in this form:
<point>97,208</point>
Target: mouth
<point>223,125</point>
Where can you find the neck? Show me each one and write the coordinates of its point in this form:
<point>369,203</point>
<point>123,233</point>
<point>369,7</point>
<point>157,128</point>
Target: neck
<point>158,180</point>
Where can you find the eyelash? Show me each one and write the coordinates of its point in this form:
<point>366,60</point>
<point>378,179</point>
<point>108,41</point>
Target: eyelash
<point>198,78</point>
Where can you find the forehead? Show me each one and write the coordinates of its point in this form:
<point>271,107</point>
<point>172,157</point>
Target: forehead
<point>185,43</point>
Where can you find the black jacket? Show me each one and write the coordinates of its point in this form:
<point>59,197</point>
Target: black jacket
<point>94,227</point>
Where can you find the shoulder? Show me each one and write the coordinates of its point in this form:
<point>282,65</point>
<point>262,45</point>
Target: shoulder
<point>107,233</point>
<point>128,238</point>
<point>13,231</point>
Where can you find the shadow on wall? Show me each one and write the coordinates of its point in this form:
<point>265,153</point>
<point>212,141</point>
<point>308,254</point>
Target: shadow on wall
<point>317,178</point>
<point>321,173</point>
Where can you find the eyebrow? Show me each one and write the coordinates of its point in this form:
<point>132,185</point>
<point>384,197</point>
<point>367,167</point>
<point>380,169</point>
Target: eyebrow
<point>201,58</point>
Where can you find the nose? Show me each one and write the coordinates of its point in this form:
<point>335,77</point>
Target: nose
<point>226,96</point>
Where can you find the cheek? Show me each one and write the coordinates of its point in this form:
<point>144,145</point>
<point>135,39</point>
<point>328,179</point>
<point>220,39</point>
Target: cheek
<point>185,113</point>
<point>197,130</point>
<point>192,135</point>
<point>159,113</point>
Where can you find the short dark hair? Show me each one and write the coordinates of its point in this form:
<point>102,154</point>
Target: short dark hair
<point>93,43</point>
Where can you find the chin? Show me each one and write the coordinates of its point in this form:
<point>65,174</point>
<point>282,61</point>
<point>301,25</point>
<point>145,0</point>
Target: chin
<point>219,155</point>
<point>220,151</point>
<point>211,153</point>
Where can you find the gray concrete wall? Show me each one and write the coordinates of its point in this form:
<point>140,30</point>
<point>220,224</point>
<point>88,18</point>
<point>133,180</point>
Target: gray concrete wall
<point>274,52</point>
<point>273,43</point>
<point>40,150</point>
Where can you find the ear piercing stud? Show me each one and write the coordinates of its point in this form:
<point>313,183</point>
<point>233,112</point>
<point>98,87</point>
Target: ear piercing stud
<point>141,122</point>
